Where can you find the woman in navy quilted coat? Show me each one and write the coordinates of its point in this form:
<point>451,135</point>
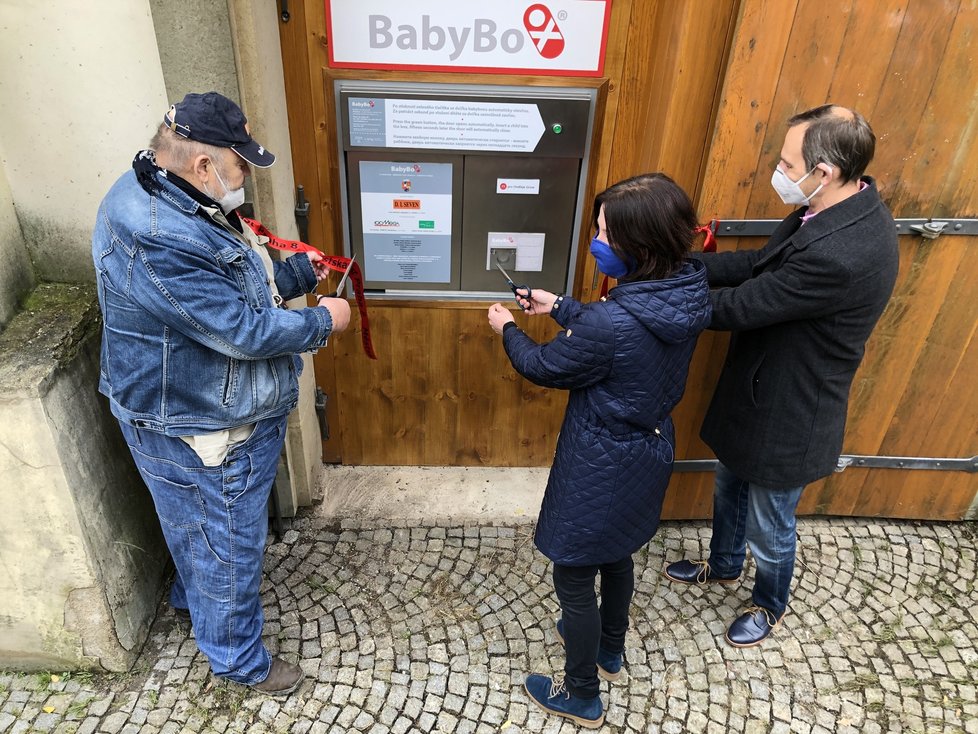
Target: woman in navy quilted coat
<point>624,360</point>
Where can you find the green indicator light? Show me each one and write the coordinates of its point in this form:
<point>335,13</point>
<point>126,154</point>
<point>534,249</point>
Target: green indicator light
<point>557,128</point>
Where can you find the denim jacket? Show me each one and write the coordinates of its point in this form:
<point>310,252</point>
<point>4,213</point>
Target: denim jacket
<point>192,340</point>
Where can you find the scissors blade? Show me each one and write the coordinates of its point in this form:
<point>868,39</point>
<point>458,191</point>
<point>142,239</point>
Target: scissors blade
<point>505,274</point>
<point>339,288</point>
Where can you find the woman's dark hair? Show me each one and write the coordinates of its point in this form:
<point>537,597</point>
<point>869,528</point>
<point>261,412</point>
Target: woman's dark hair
<point>650,222</point>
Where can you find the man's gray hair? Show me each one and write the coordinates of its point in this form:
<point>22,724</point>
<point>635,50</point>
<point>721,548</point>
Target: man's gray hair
<point>838,136</point>
<point>180,151</point>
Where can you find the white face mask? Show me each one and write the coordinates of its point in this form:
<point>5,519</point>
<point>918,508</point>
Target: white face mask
<point>790,191</point>
<point>231,199</point>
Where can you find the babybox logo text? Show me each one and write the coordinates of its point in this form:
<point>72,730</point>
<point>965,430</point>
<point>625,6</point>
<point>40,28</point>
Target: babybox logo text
<point>561,36</point>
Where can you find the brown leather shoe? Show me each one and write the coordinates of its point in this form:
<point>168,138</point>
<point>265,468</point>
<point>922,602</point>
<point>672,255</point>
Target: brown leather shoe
<point>283,678</point>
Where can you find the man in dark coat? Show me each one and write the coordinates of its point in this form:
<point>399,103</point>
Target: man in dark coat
<point>800,311</point>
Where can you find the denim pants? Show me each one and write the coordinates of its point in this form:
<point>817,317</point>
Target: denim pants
<point>215,521</point>
<point>746,514</point>
<point>588,627</point>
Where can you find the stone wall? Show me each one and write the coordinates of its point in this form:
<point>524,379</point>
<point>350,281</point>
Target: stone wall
<point>83,556</point>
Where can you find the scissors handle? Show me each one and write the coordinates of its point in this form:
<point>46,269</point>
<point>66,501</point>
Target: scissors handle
<point>516,288</point>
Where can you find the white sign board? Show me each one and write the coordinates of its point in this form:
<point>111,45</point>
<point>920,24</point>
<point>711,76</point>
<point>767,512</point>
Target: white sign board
<point>444,124</point>
<point>560,37</point>
<point>527,249</point>
<point>517,186</point>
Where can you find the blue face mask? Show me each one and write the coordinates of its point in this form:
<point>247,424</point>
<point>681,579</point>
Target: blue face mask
<point>608,262</point>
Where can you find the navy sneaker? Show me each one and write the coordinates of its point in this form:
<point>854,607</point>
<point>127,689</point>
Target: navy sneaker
<point>696,572</point>
<point>609,663</point>
<point>752,627</point>
<point>552,696</point>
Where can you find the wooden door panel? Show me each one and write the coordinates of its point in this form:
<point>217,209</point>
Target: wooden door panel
<point>907,65</point>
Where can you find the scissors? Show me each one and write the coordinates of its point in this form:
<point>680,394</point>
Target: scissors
<point>342,284</point>
<point>515,288</point>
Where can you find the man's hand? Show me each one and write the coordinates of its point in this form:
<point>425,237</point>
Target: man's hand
<point>339,309</point>
<point>318,266</point>
<point>499,317</point>
<point>541,302</point>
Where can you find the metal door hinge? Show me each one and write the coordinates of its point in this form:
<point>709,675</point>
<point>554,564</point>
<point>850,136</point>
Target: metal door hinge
<point>302,213</point>
<point>865,462</point>
<point>928,228</point>
<point>321,399</point>
<point>908,462</point>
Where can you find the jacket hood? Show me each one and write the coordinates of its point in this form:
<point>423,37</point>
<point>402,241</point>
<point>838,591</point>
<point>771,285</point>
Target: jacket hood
<point>674,309</point>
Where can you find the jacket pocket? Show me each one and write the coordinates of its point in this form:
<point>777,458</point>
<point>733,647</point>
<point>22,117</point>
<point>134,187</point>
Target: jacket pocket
<point>230,382</point>
<point>754,381</point>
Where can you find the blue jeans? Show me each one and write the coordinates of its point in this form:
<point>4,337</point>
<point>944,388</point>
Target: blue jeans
<point>746,514</point>
<point>586,627</point>
<point>215,521</point>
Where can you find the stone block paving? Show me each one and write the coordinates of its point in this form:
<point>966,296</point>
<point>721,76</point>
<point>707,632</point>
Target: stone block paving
<point>432,629</point>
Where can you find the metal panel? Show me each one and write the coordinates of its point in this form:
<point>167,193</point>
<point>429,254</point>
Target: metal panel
<point>550,212</point>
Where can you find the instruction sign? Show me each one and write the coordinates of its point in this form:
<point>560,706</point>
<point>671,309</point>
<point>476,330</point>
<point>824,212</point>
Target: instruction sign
<point>444,124</point>
<point>407,221</point>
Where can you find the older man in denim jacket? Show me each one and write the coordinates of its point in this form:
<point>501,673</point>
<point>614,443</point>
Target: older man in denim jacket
<point>200,366</point>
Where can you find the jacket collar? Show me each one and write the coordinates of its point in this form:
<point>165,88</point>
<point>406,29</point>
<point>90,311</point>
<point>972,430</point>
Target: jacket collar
<point>844,214</point>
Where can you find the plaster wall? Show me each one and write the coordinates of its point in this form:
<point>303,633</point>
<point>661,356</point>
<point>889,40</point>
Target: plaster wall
<point>16,274</point>
<point>196,51</point>
<point>80,85</point>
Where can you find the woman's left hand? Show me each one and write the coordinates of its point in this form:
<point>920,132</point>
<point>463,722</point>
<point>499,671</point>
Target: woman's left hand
<point>499,316</point>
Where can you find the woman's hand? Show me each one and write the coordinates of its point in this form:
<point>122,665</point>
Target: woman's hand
<point>541,302</point>
<point>499,316</point>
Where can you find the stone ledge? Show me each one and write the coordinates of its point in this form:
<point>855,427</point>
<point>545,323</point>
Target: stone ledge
<point>46,335</point>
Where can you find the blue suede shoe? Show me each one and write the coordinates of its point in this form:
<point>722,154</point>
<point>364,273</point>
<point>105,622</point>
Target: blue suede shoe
<point>552,696</point>
<point>696,572</point>
<point>609,663</point>
<point>752,627</point>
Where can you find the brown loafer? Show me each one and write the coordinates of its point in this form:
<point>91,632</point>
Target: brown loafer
<point>283,678</point>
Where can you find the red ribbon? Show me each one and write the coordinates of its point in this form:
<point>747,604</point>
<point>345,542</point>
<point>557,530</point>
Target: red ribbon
<point>336,263</point>
<point>710,230</point>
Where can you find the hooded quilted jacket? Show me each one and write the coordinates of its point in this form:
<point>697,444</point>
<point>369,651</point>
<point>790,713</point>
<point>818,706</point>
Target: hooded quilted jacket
<point>625,362</point>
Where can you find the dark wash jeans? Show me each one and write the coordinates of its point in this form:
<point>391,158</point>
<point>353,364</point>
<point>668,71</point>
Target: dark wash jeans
<point>745,514</point>
<point>588,627</point>
<point>215,521</point>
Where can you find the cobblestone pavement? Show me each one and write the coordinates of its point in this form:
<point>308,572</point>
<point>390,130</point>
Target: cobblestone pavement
<point>433,628</point>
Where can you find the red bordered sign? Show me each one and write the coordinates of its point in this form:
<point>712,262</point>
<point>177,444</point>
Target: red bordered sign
<point>555,37</point>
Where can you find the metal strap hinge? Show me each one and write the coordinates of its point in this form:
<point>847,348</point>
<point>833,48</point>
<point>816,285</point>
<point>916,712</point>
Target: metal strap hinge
<point>930,229</point>
<point>865,462</point>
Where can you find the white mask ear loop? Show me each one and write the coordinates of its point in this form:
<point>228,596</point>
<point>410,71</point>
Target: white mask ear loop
<point>822,184</point>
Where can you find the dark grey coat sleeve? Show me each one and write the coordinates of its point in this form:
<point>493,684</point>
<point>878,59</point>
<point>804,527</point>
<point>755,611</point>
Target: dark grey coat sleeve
<point>810,284</point>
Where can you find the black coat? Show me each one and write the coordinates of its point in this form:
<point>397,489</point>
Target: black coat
<point>625,362</point>
<point>800,309</point>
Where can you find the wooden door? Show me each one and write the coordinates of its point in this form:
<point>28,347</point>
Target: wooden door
<point>442,391</point>
<point>699,89</point>
<point>908,67</point>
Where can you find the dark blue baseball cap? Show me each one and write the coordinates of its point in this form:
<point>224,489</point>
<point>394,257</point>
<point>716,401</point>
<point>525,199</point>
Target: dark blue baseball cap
<point>214,119</point>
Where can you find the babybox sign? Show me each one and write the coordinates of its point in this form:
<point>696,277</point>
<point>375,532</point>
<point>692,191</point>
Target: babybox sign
<point>562,37</point>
